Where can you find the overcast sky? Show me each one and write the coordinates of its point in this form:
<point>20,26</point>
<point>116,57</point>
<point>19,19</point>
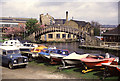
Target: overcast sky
<point>102,11</point>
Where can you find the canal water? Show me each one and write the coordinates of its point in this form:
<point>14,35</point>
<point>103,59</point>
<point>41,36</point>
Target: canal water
<point>74,47</point>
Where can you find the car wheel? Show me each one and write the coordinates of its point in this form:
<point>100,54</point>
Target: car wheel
<point>24,66</point>
<point>10,65</point>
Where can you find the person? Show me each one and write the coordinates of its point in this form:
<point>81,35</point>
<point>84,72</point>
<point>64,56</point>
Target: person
<point>107,55</point>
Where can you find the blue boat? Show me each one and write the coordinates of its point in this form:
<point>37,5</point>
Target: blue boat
<point>57,55</point>
<point>45,53</point>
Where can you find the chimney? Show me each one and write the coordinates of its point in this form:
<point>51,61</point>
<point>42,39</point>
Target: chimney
<point>66,15</point>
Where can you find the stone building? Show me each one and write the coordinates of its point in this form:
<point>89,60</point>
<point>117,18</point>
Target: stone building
<point>46,19</point>
<point>81,25</point>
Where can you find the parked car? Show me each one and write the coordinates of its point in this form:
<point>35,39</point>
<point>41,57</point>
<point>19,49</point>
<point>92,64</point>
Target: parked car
<point>12,57</point>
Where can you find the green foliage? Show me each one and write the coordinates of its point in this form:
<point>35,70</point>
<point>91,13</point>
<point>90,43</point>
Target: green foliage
<point>96,31</point>
<point>31,25</point>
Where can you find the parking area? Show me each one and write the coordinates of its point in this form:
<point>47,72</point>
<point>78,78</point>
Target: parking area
<point>31,72</point>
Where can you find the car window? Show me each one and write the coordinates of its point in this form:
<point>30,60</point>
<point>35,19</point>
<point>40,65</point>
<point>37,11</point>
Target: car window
<point>10,52</point>
<point>16,51</point>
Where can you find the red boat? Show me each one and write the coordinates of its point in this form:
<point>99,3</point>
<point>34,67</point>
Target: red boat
<point>94,61</point>
<point>113,69</point>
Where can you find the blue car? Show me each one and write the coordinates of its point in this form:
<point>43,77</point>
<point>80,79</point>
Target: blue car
<point>12,57</point>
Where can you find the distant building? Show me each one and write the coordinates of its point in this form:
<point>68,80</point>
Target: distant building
<point>13,20</point>
<point>81,25</point>
<point>112,37</point>
<point>105,28</point>
<point>6,22</point>
<point>60,21</point>
<point>46,19</point>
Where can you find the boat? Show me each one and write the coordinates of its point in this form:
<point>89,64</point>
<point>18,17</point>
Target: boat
<point>45,53</point>
<point>112,68</point>
<point>12,43</point>
<point>57,55</point>
<point>74,58</point>
<point>93,61</point>
<point>36,50</point>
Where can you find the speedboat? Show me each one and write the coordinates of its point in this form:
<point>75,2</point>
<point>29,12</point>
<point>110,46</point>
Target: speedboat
<point>36,50</point>
<point>111,68</point>
<point>73,58</point>
<point>93,61</point>
<point>57,55</point>
<point>45,53</point>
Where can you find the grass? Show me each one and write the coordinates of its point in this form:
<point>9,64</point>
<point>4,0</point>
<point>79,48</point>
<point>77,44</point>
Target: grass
<point>75,72</point>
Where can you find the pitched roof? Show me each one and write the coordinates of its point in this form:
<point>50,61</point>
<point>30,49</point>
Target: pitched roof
<point>81,23</point>
<point>115,31</point>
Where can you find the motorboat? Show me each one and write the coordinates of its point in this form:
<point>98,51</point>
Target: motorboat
<point>12,43</point>
<point>112,67</point>
<point>93,61</point>
<point>36,50</point>
<point>74,58</point>
<point>57,55</point>
<point>45,53</point>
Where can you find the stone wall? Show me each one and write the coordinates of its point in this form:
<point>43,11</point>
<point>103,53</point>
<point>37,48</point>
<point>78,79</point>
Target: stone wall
<point>91,40</point>
<point>71,24</point>
<point>31,37</point>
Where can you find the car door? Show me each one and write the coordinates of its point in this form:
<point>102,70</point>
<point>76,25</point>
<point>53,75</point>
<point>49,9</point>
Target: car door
<point>4,57</point>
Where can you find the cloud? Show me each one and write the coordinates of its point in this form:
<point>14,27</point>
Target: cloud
<point>103,12</point>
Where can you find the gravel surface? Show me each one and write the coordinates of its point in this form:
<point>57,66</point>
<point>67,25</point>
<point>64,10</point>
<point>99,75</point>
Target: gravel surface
<point>31,72</point>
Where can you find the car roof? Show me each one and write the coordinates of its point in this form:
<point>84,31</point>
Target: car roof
<point>9,48</point>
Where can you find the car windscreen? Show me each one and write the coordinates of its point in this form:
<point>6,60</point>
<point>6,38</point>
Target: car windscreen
<point>10,52</point>
<point>16,51</point>
<point>13,51</point>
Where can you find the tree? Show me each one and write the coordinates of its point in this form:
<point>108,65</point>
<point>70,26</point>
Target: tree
<point>14,31</point>
<point>32,26</point>
<point>96,26</point>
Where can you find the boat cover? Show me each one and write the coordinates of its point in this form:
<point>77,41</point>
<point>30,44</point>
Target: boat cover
<point>75,56</point>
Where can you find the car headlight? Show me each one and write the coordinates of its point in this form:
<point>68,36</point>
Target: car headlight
<point>25,59</point>
<point>15,61</point>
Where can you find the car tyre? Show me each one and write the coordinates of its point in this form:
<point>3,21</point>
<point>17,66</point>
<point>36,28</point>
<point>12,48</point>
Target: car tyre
<point>24,66</point>
<point>10,65</point>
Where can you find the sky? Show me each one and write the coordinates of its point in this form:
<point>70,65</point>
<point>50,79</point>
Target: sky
<point>103,11</point>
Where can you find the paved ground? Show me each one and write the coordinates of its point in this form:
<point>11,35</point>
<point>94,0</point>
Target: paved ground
<point>31,72</point>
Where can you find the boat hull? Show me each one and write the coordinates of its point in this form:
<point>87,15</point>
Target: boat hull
<point>93,63</point>
<point>72,61</point>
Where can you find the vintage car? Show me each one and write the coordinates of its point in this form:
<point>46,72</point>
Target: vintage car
<point>12,57</point>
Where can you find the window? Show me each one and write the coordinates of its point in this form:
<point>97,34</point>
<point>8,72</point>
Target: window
<point>69,35</point>
<point>57,35</point>
<point>50,35</point>
<point>4,52</point>
<point>16,51</point>
<point>73,36</point>
<point>10,51</point>
<point>63,35</point>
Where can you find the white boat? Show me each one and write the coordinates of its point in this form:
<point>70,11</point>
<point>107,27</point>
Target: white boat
<point>12,43</point>
<point>73,58</point>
